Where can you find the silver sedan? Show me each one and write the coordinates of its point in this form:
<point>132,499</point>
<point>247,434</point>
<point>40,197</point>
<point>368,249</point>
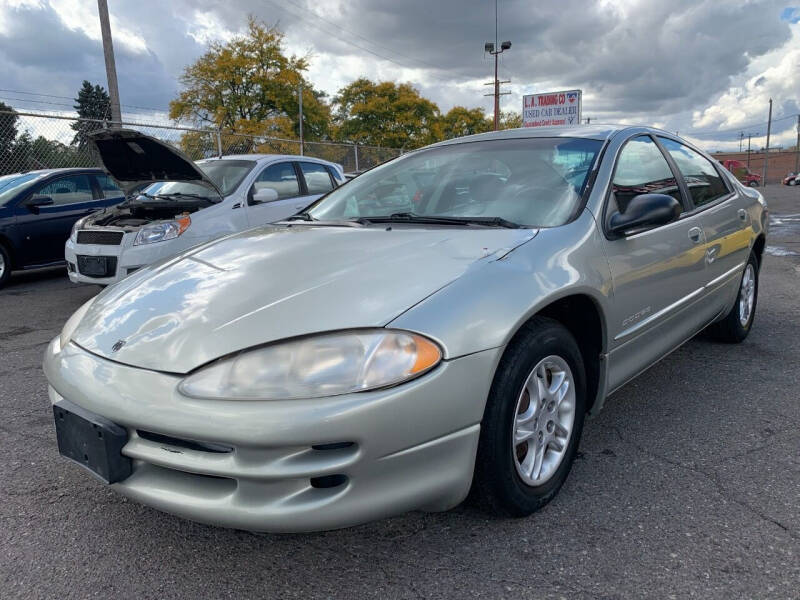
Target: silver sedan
<point>440,324</point>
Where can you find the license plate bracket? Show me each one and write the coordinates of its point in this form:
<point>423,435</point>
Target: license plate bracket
<point>92,441</point>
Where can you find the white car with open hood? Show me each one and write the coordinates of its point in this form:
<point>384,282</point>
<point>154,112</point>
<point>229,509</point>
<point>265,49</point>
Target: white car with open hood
<point>174,203</point>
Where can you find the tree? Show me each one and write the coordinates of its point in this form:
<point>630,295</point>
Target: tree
<point>249,85</point>
<point>460,121</point>
<point>92,103</point>
<point>510,120</point>
<point>8,133</point>
<point>385,114</point>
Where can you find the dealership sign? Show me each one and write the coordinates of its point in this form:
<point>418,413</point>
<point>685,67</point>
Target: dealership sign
<point>553,109</point>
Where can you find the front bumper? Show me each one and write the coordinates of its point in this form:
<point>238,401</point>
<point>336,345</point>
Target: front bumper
<point>286,466</point>
<point>126,257</point>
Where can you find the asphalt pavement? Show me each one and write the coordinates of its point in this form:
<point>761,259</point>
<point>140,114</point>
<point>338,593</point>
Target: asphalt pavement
<point>687,485</point>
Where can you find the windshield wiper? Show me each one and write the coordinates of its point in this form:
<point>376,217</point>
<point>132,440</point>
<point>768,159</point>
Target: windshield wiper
<point>303,216</point>
<point>410,217</point>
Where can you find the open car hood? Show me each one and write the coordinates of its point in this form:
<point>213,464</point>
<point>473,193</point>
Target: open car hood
<point>135,160</point>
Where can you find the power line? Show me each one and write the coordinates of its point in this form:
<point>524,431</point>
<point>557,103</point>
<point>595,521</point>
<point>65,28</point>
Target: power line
<point>739,127</point>
<point>351,43</point>
<point>353,33</point>
<point>69,98</point>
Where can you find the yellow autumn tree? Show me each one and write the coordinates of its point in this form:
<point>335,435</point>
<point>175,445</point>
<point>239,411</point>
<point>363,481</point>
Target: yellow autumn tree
<point>249,85</point>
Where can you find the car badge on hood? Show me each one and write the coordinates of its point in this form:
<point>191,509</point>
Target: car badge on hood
<point>117,345</point>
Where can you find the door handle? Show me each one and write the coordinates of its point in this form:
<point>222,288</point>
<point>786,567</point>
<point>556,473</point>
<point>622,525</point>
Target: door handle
<point>299,206</point>
<point>237,205</point>
<point>742,214</point>
<point>695,234</point>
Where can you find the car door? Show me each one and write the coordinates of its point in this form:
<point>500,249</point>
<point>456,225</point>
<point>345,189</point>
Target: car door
<point>44,229</point>
<point>283,178</point>
<point>657,274</point>
<point>724,218</point>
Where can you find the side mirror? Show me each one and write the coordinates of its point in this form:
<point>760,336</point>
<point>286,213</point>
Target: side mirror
<point>644,211</point>
<point>38,201</point>
<point>264,195</point>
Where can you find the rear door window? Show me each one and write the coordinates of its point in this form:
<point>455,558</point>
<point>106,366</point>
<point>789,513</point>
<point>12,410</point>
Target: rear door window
<point>280,177</point>
<point>318,180</point>
<point>67,190</point>
<point>642,169</point>
<point>702,178</point>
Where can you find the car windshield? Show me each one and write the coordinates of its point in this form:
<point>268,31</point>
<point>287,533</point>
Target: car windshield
<point>11,185</point>
<point>535,182</point>
<point>226,174</point>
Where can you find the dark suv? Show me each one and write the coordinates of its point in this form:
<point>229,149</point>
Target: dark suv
<point>38,210</point>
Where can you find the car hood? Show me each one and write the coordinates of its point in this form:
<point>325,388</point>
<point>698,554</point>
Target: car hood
<point>279,282</point>
<point>136,160</point>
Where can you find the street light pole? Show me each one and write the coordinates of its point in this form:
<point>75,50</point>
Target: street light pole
<point>111,69</point>
<point>490,48</point>
<point>300,102</point>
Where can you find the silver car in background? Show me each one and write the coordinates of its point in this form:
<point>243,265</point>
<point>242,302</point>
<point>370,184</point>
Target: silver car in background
<point>441,323</point>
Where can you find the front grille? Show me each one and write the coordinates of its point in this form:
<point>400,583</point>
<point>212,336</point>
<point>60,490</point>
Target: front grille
<point>97,266</point>
<point>105,238</point>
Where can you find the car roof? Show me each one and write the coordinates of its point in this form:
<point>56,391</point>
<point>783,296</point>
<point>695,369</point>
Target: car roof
<point>592,132</point>
<point>267,158</point>
<point>59,171</point>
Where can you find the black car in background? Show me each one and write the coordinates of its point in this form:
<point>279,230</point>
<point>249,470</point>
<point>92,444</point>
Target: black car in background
<point>38,210</point>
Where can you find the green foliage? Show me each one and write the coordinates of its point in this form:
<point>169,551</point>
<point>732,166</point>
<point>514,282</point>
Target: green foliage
<point>92,103</point>
<point>460,121</point>
<point>385,114</point>
<point>8,131</point>
<point>249,85</point>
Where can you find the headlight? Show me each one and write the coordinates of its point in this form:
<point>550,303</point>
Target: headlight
<point>72,323</point>
<point>73,236</point>
<point>318,366</point>
<point>159,232</point>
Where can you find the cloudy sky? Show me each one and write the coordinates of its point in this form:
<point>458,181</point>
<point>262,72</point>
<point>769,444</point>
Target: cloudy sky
<point>703,68</point>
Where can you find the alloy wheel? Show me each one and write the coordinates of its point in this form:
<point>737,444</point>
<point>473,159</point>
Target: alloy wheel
<point>544,420</point>
<point>747,294</point>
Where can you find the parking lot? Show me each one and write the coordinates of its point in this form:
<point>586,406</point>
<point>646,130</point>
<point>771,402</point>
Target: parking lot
<point>687,485</point>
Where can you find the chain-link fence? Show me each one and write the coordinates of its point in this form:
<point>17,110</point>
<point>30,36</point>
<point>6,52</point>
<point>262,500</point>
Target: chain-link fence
<point>31,141</point>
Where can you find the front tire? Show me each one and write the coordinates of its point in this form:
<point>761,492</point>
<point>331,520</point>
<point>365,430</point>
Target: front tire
<point>5,266</point>
<point>735,326</point>
<point>533,421</point>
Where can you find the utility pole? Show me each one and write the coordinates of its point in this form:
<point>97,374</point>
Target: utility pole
<point>300,103</point>
<point>741,139</point>
<point>749,135</point>
<point>766,153</point>
<point>111,68</point>
<point>797,148</point>
<point>492,48</point>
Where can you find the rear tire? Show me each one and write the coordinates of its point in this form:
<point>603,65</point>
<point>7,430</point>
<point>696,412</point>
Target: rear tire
<point>5,265</point>
<point>735,326</point>
<point>533,421</point>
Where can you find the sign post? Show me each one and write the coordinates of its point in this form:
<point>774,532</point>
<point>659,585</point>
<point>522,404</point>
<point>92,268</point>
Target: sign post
<point>552,109</point>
